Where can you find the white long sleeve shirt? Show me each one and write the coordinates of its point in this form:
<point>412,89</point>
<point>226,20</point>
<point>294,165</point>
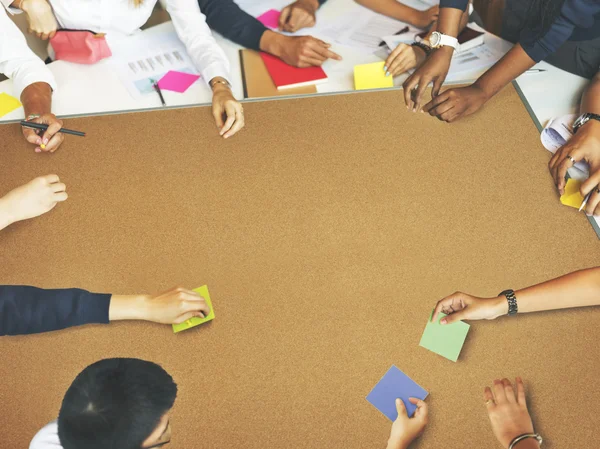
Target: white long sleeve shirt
<point>122,17</point>
<point>17,61</point>
<point>46,438</point>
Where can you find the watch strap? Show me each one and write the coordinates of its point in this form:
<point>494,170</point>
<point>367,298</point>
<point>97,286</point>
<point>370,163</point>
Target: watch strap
<point>512,301</point>
<point>583,119</point>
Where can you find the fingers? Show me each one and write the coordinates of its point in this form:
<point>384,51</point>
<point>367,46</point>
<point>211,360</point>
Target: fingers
<point>589,184</point>
<point>422,408</point>
<point>55,142</point>
<point>54,125</point>
<point>399,60</point>
<point>408,87</point>
<point>321,49</point>
<point>60,196</point>
<point>299,18</point>
<point>436,101</point>
<point>230,112</point>
<point>453,317</point>
<point>561,172</point>
<point>593,202</point>
<point>449,305</point>
<point>32,137</point>
<point>437,85</point>
<point>488,397</point>
<point>499,393</point>
<point>400,408</point>
<point>58,187</point>
<point>284,16</point>
<point>217,112</point>
<point>239,121</point>
<point>521,392</point>
<point>509,391</point>
<point>418,93</point>
<point>50,179</point>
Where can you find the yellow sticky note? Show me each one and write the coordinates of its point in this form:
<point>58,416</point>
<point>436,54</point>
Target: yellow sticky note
<point>572,197</point>
<point>371,76</point>
<point>8,104</point>
<point>192,322</point>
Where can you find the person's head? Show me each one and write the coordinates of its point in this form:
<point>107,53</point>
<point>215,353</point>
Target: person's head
<point>117,404</point>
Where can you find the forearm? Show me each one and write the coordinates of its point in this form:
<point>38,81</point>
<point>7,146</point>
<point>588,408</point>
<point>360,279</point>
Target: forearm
<point>37,99</point>
<point>463,23</point>
<point>127,307</point>
<point>590,102</point>
<point>512,64</point>
<point>449,21</point>
<point>577,289</point>
<point>391,8</point>
<point>5,216</point>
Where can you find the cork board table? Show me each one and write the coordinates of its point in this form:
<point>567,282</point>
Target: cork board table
<point>326,231</point>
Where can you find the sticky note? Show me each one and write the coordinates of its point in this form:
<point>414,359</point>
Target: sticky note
<point>395,384</point>
<point>371,76</point>
<point>446,340</point>
<point>177,81</point>
<point>572,197</point>
<point>192,322</point>
<point>8,104</point>
<point>270,19</point>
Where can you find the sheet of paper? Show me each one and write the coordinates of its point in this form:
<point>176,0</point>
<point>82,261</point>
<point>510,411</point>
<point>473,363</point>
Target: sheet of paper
<point>446,340</point>
<point>572,197</point>
<point>474,61</point>
<point>371,76</point>
<point>177,81</point>
<point>192,322</point>
<point>8,104</point>
<point>140,60</point>
<point>369,29</point>
<point>395,384</point>
<point>270,19</point>
<point>557,132</point>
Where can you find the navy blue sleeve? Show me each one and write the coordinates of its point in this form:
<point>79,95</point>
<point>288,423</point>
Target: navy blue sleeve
<point>228,19</point>
<point>573,14</point>
<point>30,310</point>
<point>458,4</point>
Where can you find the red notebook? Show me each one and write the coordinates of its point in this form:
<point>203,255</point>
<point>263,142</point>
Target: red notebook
<point>286,76</point>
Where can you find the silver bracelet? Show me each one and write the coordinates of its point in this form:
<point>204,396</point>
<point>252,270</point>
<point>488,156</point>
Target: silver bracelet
<point>525,436</point>
<point>225,82</point>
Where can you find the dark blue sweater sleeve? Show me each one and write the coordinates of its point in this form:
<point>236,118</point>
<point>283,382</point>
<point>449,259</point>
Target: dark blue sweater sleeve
<point>573,14</point>
<point>458,4</point>
<point>30,310</point>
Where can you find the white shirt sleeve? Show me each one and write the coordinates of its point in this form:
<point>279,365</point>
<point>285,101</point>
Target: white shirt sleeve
<point>193,31</point>
<point>17,61</point>
<point>10,9</point>
<point>46,438</point>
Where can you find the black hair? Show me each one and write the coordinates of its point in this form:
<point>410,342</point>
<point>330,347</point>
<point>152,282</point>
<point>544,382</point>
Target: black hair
<point>542,14</point>
<point>115,404</point>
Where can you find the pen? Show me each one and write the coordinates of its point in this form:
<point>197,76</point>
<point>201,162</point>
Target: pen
<point>44,127</point>
<point>402,31</point>
<point>585,200</point>
<point>535,70</point>
<point>159,92</point>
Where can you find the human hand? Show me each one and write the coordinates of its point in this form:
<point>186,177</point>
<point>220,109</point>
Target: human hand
<point>31,200</point>
<point>49,140</point>
<point>305,51</point>
<point>403,58</point>
<point>460,306</point>
<point>227,111</point>
<point>425,18</point>
<point>300,14</point>
<point>174,306</point>
<point>405,430</point>
<point>453,104</point>
<point>40,18</point>
<point>435,68</point>
<point>583,146</point>
<point>507,410</point>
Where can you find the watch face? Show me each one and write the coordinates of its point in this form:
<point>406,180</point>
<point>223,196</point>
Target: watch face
<point>435,39</point>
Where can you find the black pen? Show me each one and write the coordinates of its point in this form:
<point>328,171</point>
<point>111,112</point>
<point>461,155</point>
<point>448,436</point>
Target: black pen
<point>159,92</point>
<point>402,31</point>
<point>44,127</point>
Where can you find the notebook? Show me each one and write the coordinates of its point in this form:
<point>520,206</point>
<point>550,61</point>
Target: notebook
<point>286,76</point>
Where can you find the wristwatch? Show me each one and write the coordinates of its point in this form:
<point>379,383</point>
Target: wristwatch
<point>512,301</point>
<point>535,436</point>
<point>214,81</point>
<point>438,40</point>
<point>583,119</point>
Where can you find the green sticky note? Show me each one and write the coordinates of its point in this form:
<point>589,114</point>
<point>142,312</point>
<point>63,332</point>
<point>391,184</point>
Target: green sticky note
<point>192,322</point>
<point>446,340</point>
<point>8,104</point>
<point>371,76</point>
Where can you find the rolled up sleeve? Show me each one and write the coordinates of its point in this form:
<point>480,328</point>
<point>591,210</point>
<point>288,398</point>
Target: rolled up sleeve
<point>457,4</point>
<point>17,61</point>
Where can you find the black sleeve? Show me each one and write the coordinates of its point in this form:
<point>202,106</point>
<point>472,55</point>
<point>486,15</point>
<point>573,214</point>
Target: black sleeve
<point>30,310</point>
<point>228,19</point>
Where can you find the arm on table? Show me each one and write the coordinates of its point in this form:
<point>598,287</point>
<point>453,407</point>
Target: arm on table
<point>577,289</point>
<point>30,310</point>
<point>404,13</point>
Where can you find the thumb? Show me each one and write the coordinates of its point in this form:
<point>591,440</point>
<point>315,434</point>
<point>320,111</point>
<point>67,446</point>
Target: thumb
<point>283,17</point>
<point>31,136</point>
<point>437,85</point>
<point>454,317</point>
<point>400,407</point>
<point>186,316</point>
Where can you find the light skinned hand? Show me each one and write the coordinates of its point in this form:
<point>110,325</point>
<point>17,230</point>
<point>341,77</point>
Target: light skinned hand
<point>227,111</point>
<point>46,141</point>
<point>404,57</point>
<point>434,69</point>
<point>298,15</point>
<point>427,17</point>
<point>175,306</point>
<point>454,104</point>
<point>40,18</point>
<point>507,410</point>
<point>461,306</point>
<point>306,51</point>
<point>404,429</point>
<point>583,146</point>
<point>33,199</point>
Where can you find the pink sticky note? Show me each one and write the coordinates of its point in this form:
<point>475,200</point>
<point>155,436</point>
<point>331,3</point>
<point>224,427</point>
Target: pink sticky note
<point>177,81</point>
<point>270,19</point>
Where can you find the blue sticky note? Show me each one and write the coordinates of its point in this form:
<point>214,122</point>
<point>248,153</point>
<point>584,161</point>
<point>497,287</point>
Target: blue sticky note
<point>395,384</point>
